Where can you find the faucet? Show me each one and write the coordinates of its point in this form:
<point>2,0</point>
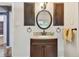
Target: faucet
<point>44,33</point>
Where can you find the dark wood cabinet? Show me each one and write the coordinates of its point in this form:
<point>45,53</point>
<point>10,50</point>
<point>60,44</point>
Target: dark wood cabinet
<point>43,48</point>
<point>29,14</point>
<point>58,14</point>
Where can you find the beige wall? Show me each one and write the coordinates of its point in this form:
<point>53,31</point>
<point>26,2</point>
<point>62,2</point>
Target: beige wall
<point>78,30</point>
<point>21,42</point>
<point>71,21</point>
<point>22,37</point>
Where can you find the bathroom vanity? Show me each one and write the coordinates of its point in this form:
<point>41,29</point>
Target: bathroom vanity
<point>43,46</point>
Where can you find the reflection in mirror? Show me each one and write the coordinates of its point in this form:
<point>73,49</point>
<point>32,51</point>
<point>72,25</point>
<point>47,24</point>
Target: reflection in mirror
<point>44,20</point>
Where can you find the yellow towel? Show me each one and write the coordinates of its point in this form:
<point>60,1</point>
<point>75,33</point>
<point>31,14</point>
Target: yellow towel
<point>65,33</point>
<point>68,35</point>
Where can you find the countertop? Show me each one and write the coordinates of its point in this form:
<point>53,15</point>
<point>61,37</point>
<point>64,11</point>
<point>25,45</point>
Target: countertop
<point>43,37</point>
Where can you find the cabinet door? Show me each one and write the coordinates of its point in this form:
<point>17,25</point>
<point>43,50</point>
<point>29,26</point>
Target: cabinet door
<point>50,50</point>
<point>29,14</point>
<point>36,51</point>
<point>58,14</point>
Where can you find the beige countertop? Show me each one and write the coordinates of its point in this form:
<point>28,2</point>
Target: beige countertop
<point>43,37</point>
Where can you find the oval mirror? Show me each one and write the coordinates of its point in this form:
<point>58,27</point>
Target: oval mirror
<point>44,19</point>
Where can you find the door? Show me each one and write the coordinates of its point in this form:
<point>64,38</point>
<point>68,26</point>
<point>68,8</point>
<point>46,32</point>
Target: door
<point>4,31</point>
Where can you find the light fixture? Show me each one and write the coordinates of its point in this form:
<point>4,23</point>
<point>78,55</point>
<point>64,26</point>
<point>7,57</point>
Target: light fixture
<point>43,5</point>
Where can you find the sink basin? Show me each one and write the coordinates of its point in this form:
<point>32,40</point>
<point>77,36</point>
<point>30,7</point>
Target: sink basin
<point>38,35</point>
<point>41,33</point>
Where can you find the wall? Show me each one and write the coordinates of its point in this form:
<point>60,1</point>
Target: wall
<point>71,21</point>
<point>5,3</point>
<point>21,42</point>
<point>78,30</point>
<point>21,45</point>
<point>18,32</point>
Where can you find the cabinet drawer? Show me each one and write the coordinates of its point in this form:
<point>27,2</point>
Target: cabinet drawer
<point>43,41</point>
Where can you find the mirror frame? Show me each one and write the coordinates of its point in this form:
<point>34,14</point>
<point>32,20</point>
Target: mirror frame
<point>50,19</point>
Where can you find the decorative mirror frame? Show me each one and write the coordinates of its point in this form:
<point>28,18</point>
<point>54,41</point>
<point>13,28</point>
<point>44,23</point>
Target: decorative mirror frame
<point>37,19</point>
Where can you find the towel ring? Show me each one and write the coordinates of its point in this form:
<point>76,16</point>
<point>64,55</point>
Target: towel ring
<point>29,29</point>
<point>58,30</point>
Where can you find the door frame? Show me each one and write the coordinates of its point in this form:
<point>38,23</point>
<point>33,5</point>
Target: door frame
<point>7,27</point>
